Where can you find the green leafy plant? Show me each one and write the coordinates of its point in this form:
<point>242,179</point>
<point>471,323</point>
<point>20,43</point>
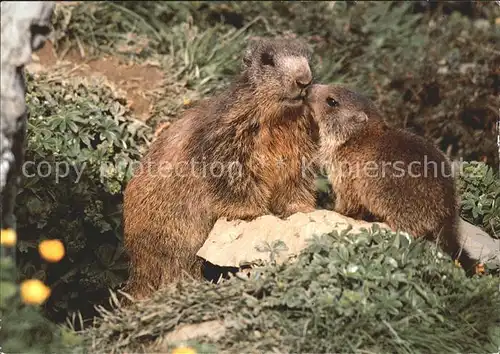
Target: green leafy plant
<point>24,329</point>
<point>81,143</point>
<point>372,291</point>
<point>272,249</point>
<point>196,60</point>
<point>480,190</point>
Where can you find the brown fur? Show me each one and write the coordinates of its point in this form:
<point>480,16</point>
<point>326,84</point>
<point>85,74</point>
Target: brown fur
<point>367,162</point>
<point>258,120</point>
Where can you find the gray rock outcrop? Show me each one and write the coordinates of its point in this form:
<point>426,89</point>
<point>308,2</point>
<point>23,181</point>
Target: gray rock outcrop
<point>25,26</point>
<point>237,242</point>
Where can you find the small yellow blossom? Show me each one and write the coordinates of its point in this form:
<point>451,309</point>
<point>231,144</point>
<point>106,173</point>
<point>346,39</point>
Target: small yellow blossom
<point>480,268</point>
<point>186,101</point>
<point>34,292</point>
<point>457,263</point>
<point>183,350</point>
<point>8,238</point>
<point>51,250</point>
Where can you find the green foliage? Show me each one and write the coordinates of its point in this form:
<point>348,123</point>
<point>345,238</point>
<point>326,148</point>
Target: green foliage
<point>195,60</point>
<point>480,190</point>
<point>24,329</point>
<point>374,291</point>
<point>450,94</point>
<point>81,143</point>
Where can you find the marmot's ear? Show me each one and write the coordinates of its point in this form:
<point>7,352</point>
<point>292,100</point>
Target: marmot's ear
<point>247,57</point>
<point>249,53</point>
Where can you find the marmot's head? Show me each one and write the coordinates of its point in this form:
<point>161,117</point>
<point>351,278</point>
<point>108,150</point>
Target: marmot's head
<point>278,70</point>
<point>339,112</point>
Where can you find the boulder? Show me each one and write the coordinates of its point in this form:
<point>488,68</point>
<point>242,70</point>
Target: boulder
<point>238,243</point>
<point>25,26</point>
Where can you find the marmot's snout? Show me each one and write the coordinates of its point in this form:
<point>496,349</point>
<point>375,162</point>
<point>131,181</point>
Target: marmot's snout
<point>300,75</point>
<point>304,80</point>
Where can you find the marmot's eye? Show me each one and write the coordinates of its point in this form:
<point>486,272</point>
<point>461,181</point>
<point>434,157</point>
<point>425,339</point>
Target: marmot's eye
<point>267,59</point>
<point>331,102</point>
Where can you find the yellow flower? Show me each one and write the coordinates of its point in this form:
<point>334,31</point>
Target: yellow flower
<point>34,292</point>
<point>8,238</point>
<point>457,263</point>
<point>480,268</point>
<point>183,350</point>
<point>51,250</point>
<point>186,101</point>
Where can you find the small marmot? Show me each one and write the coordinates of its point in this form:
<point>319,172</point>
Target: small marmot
<point>237,155</point>
<point>379,171</point>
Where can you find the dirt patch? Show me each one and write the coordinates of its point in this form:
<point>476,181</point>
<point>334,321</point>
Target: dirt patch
<point>138,82</point>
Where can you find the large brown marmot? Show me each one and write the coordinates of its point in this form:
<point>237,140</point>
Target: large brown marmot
<point>238,155</point>
<point>383,172</point>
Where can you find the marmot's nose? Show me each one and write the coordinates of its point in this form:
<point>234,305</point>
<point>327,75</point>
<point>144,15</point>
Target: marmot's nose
<point>303,81</point>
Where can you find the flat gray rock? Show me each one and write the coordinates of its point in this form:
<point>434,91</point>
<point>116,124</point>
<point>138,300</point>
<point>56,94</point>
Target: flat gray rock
<point>235,243</point>
<point>479,244</point>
